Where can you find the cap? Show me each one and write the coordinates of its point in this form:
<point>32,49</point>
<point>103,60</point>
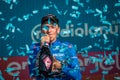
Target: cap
<point>52,18</point>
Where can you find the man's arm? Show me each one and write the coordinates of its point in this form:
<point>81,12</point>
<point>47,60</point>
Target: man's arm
<point>72,67</point>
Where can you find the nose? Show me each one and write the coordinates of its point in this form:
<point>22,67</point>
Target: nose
<point>49,30</point>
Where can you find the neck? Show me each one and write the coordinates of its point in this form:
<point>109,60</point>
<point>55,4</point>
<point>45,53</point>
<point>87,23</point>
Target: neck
<point>52,41</point>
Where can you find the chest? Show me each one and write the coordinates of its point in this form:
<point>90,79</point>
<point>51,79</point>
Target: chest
<point>59,53</point>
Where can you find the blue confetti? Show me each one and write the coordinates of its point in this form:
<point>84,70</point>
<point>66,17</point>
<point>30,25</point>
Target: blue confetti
<point>15,1</point>
<point>2,19</point>
<point>31,57</point>
<point>5,59</point>
<point>10,53</point>
<point>81,4</point>
<point>119,12</point>
<point>49,22</point>
<point>76,0</point>
<point>105,8</point>
<point>93,59</point>
<point>66,32</point>
<point>45,7</point>
<point>86,48</point>
<point>84,54</point>
<point>65,12</point>
<point>26,17</point>
<point>16,74</point>
<point>106,22</point>
<point>106,41</point>
<point>96,45</point>
<point>11,19</point>
<point>29,51</point>
<point>19,19</point>
<point>22,53</point>
<point>18,29</point>
<point>35,11</point>
<point>116,34</point>
<point>27,47</point>
<point>79,24</point>
<point>103,77</point>
<point>59,12</point>
<point>80,35</point>
<point>117,49</point>
<point>11,6</point>
<point>109,47</point>
<point>109,60</point>
<point>45,28</point>
<point>105,56</point>
<point>75,7</point>
<point>29,63</point>
<point>55,7</point>
<point>8,1</point>
<point>114,53</point>
<point>54,24</point>
<point>98,11</point>
<point>75,14</point>
<point>6,37</point>
<point>95,70</point>
<point>88,11</point>
<point>96,14</point>
<point>10,27</point>
<point>97,30</point>
<point>9,69</point>
<point>18,78</point>
<point>1,13</point>
<point>101,13</point>
<point>105,36</point>
<point>22,48</point>
<point>75,47</point>
<point>35,33</point>
<point>115,15</point>
<point>1,77</point>
<point>103,19</point>
<point>66,1</point>
<point>105,72</point>
<point>2,37</point>
<point>68,22</point>
<point>117,4</point>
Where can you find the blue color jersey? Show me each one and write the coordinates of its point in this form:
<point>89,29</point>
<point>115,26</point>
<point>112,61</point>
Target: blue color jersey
<point>63,52</point>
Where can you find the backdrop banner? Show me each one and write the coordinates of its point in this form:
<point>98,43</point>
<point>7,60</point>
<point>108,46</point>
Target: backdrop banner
<point>95,66</point>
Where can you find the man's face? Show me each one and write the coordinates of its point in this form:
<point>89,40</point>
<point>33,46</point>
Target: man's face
<point>51,30</point>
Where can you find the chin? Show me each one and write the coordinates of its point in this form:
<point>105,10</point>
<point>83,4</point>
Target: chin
<point>52,40</point>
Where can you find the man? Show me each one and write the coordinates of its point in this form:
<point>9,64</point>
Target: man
<point>64,62</point>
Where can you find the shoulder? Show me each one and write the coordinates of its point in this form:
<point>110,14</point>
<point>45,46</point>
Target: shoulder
<point>35,46</point>
<point>67,44</point>
<point>69,49</point>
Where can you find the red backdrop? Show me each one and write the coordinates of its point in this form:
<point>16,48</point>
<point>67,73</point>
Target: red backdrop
<point>16,68</point>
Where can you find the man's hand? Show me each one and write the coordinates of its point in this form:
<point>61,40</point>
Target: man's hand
<point>45,39</point>
<point>56,66</point>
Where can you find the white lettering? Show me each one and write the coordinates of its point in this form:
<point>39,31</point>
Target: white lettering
<point>17,67</point>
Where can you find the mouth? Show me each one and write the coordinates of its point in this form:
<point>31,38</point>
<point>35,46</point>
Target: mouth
<point>50,34</point>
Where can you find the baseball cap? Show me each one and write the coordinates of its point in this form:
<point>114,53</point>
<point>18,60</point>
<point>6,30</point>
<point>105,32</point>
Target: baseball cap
<point>53,19</point>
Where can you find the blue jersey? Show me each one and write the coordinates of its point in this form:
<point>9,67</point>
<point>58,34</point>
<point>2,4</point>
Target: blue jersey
<point>63,52</point>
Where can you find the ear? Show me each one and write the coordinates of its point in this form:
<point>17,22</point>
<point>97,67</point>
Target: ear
<point>58,30</point>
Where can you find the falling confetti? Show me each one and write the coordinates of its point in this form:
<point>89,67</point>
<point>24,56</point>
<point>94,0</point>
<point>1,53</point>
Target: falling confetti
<point>13,22</point>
